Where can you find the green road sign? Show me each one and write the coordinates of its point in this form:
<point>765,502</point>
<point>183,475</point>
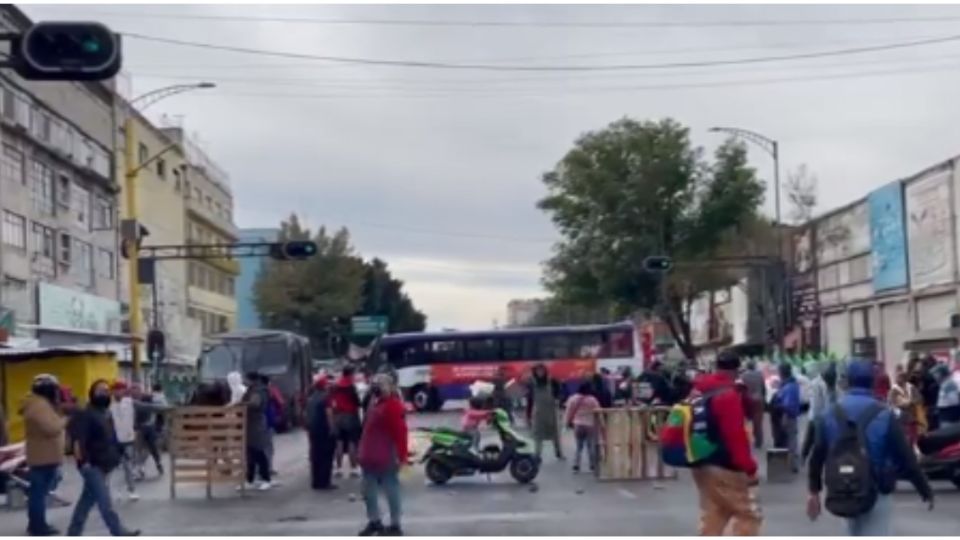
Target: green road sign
<point>369,326</point>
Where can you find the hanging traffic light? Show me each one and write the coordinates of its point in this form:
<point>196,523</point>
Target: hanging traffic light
<point>295,250</point>
<point>66,51</point>
<point>658,263</point>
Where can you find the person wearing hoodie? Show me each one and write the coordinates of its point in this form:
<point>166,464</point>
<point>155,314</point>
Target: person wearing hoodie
<point>256,399</point>
<point>383,452</point>
<point>237,388</point>
<point>726,482</point>
<point>788,400</point>
<point>44,427</point>
<point>97,455</point>
<point>891,456</point>
<point>320,434</point>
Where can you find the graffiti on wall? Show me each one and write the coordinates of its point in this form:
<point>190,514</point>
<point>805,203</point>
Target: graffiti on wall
<point>843,235</point>
<point>929,230</point>
<point>888,237</point>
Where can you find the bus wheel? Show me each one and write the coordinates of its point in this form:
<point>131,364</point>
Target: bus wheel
<point>423,398</point>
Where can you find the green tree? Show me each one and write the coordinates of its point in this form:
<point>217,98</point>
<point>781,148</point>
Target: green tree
<point>309,296</point>
<point>383,295</point>
<point>636,189</point>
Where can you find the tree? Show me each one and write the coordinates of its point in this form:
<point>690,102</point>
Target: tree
<point>636,189</point>
<point>308,297</point>
<point>383,295</point>
<point>801,188</point>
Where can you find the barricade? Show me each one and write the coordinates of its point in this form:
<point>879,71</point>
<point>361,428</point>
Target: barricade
<point>207,446</point>
<point>627,444</point>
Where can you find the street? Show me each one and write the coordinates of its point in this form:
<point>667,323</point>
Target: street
<point>563,504</point>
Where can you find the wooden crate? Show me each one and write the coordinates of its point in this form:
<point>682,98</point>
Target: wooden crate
<point>627,444</point>
<point>208,446</point>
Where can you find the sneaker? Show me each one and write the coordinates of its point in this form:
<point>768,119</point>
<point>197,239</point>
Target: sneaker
<point>50,531</point>
<point>246,486</point>
<point>133,496</point>
<point>264,486</point>
<point>338,473</point>
<point>374,528</point>
<point>354,473</point>
<point>392,530</point>
<point>134,532</point>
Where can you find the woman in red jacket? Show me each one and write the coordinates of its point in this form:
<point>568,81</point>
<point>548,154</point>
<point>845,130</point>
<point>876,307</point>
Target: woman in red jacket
<point>383,451</point>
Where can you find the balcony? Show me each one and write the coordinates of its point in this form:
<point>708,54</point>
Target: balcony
<point>200,212</point>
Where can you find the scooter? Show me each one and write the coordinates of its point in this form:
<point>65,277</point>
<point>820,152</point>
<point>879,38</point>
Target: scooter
<point>940,454</point>
<point>451,453</point>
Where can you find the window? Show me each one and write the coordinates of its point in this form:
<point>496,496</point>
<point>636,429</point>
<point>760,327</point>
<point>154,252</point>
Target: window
<point>481,349</point>
<point>83,270</point>
<point>209,202</point>
<point>81,207</point>
<point>192,274</point>
<point>11,167</point>
<point>219,209</point>
<point>176,180</point>
<point>222,323</point>
<point>587,345</point>
<point>143,153</point>
<point>102,213</point>
<point>620,344</point>
<point>14,230</point>
<point>65,249</point>
<point>230,286</point>
<point>201,277</point>
<point>40,125</point>
<point>519,348</point>
<point>9,104</point>
<point>860,269</point>
<point>42,181</point>
<point>829,276</point>
<point>198,195</point>
<point>407,354</point>
<point>444,351</point>
<point>106,268</point>
<point>43,241</point>
<point>162,169</point>
<point>63,192</point>
<point>554,347</point>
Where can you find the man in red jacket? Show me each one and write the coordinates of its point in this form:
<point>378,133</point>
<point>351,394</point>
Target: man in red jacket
<point>383,451</point>
<point>726,483</point>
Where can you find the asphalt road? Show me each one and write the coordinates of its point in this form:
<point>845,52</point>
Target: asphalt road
<point>563,504</point>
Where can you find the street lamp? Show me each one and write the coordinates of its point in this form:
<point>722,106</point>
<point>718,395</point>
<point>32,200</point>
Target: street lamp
<point>773,148</point>
<point>131,169</point>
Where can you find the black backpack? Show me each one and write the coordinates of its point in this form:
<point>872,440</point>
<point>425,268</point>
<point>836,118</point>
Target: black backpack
<point>849,476</point>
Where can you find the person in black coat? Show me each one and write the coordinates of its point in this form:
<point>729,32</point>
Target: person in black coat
<point>320,434</point>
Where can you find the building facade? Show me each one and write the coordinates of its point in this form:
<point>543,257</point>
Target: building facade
<point>58,257</point>
<point>247,315</point>
<point>523,312</point>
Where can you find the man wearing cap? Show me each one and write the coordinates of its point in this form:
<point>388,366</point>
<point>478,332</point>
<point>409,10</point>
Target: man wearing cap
<point>726,484</point>
<point>322,443</point>
<point>44,428</point>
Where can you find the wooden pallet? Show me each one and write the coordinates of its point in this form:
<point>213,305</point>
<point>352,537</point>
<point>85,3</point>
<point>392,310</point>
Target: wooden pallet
<point>627,444</point>
<point>208,446</point>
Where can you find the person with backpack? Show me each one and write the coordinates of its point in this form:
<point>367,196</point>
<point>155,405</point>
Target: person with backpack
<point>859,453</point>
<point>708,434</point>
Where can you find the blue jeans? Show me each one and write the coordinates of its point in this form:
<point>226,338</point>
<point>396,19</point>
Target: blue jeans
<point>389,481</point>
<point>96,491</point>
<point>42,480</point>
<point>876,522</point>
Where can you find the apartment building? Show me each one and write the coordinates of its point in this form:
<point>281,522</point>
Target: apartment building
<point>208,210</point>
<point>247,315</point>
<point>58,257</point>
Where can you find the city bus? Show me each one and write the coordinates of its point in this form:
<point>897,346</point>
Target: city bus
<point>282,356</point>
<point>435,367</point>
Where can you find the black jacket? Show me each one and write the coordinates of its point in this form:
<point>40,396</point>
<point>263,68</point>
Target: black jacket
<point>92,429</point>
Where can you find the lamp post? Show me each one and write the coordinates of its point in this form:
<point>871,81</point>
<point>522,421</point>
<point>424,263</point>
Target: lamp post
<point>773,148</point>
<point>131,169</point>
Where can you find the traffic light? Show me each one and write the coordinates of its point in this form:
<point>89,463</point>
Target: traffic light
<point>658,263</point>
<point>156,345</point>
<point>295,250</point>
<point>66,51</point>
<point>132,233</point>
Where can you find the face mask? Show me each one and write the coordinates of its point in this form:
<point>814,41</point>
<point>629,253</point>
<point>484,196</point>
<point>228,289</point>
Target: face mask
<point>100,401</point>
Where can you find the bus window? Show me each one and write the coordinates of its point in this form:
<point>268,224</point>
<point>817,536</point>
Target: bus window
<point>519,348</point>
<point>587,345</point>
<point>554,347</point>
<point>445,351</point>
<point>481,350</point>
<point>620,344</point>
<point>405,354</point>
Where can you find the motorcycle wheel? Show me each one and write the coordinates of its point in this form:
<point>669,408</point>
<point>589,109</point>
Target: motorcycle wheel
<point>524,469</point>
<point>438,473</point>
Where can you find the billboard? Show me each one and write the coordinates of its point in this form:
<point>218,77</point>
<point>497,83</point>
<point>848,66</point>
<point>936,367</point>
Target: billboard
<point>929,230</point>
<point>888,237</point>
<point>843,234</point>
<point>74,310</point>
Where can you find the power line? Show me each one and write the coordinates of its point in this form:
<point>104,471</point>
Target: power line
<point>493,67</point>
<point>536,24</point>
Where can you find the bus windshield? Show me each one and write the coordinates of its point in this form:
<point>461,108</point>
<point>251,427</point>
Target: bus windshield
<point>268,357</point>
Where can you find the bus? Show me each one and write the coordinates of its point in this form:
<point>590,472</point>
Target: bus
<point>435,367</point>
<point>283,356</point>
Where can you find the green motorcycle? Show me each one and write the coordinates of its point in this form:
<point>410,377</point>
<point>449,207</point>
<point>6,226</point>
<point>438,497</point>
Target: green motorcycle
<point>451,453</point>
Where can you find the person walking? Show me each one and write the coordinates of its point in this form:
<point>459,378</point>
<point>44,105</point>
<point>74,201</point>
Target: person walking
<point>880,440</point>
<point>600,389</point>
<point>382,453</point>
<point>905,398</point>
<point>346,417</point>
<point>757,398</point>
<point>145,425</point>
<point>320,435</point>
<point>97,455</point>
<point>581,419</point>
<point>44,439</point>
<point>123,415</point>
<point>255,399</point>
<point>823,394</point>
<point>543,403</point>
<point>948,397</point>
<point>726,483</point>
<point>788,399</point>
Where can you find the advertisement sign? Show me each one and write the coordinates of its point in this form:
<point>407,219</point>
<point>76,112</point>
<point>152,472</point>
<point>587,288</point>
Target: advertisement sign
<point>369,326</point>
<point>468,373</point>
<point>930,244</point>
<point>843,235</point>
<point>888,237</point>
<point>75,310</point>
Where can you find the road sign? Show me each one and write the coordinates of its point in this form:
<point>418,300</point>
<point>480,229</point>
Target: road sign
<point>369,325</point>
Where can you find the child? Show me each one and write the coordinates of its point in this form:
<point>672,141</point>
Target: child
<point>475,414</point>
<point>580,417</point>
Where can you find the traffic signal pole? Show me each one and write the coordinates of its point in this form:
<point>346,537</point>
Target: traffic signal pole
<point>133,268</point>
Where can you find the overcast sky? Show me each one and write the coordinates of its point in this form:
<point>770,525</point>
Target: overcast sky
<point>438,171</point>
